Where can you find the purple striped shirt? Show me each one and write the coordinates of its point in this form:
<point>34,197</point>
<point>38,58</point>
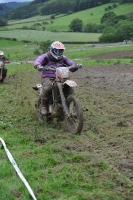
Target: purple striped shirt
<point>44,59</point>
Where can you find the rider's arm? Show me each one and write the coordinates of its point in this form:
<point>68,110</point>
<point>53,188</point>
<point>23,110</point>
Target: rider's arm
<point>6,60</point>
<point>41,60</point>
<point>69,62</point>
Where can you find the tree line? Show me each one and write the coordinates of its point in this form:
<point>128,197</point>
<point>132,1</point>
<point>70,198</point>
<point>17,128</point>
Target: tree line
<point>114,27</point>
<point>118,28</point>
<point>47,7</point>
<point>8,7</point>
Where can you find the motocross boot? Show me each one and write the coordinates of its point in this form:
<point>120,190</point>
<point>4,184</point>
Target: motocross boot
<point>44,106</point>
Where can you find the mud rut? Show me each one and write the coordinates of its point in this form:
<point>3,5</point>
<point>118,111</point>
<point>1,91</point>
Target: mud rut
<point>106,94</point>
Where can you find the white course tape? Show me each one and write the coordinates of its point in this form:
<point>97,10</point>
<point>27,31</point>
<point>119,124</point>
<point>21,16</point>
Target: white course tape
<point>17,169</point>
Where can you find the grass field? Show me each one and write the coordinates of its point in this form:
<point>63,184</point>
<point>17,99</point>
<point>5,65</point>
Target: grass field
<point>39,36</point>
<point>18,51</point>
<point>92,15</point>
<point>56,164</point>
<point>61,23</point>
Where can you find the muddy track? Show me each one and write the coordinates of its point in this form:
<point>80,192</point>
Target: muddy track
<point>111,55</point>
<point>106,94</point>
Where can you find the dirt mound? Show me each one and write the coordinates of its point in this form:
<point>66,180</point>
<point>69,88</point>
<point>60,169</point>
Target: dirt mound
<point>111,55</point>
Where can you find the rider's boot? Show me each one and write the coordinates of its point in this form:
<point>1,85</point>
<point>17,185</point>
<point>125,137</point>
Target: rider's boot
<point>44,106</point>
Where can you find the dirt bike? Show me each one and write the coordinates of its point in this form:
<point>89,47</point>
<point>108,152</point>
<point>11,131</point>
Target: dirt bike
<point>61,105</point>
<point>2,71</point>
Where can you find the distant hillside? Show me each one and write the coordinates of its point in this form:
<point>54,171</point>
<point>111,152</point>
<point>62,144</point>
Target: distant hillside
<point>56,7</point>
<point>52,7</point>
<point>8,7</point>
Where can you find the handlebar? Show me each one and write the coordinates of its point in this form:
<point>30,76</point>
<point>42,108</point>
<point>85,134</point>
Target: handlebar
<point>41,68</point>
<point>75,66</point>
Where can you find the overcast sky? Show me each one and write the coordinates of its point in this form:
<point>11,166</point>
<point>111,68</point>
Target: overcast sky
<point>6,1</point>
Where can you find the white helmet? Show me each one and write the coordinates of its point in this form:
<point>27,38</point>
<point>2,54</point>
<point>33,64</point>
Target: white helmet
<point>1,54</point>
<point>57,50</point>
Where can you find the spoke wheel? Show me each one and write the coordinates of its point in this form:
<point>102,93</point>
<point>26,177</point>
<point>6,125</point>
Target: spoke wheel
<point>75,119</point>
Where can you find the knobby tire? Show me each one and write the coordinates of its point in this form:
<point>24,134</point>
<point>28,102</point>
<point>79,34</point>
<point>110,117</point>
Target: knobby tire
<point>75,120</point>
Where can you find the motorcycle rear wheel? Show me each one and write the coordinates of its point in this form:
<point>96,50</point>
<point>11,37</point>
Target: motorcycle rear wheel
<point>75,120</point>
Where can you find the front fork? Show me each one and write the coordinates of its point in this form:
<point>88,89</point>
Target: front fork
<point>63,99</point>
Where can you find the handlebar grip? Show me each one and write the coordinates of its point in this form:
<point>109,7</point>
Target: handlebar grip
<point>76,66</point>
<point>41,68</point>
<point>79,65</point>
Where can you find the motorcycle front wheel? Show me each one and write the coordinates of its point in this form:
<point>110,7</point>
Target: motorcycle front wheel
<point>74,120</point>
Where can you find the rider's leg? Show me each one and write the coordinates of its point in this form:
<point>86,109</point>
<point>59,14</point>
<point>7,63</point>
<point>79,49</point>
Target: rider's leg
<point>4,72</point>
<point>46,90</point>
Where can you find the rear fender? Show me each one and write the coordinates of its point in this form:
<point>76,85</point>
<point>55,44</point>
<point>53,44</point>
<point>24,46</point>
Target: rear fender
<point>70,83</point>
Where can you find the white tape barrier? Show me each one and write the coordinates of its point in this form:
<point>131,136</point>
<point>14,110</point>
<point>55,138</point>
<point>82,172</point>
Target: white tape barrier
<point>17,169</point>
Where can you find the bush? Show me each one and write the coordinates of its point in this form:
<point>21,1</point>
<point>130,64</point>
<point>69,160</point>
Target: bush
<point>25,27</point>
<point>91,28</point>
<point>114,5</point>
<point>26,41</point>
<point>76,25</point>
<point>36,52</point>
<point>108,35</point>
<point>52,16</point>
<point>44,46</point>
<point>14,39</point>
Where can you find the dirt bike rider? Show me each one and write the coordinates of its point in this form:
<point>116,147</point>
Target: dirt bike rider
<point>53,58</point>
<point>5,60</point>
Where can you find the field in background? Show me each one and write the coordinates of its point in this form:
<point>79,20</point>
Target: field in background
<point>18,51</point>
<point>39,36</point>
<point>92,15</point>
<point>59,24</point>
<point>62,22</point>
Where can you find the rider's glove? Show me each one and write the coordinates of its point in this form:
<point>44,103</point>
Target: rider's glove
<point>37,67</point>
<point>40,68</point>
<point>79,65</point>
<point>43,68</point>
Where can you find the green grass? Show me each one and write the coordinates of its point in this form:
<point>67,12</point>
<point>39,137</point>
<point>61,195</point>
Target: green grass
<point>62,22</point>
<point>56,164</point>
<point>17,51</point>
<point>49,157</point>
<point>59,24</point>
<point>39,36</point>
<point>28,20</point>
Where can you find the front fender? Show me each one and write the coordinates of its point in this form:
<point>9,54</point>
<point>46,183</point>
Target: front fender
<point>70,83</point>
